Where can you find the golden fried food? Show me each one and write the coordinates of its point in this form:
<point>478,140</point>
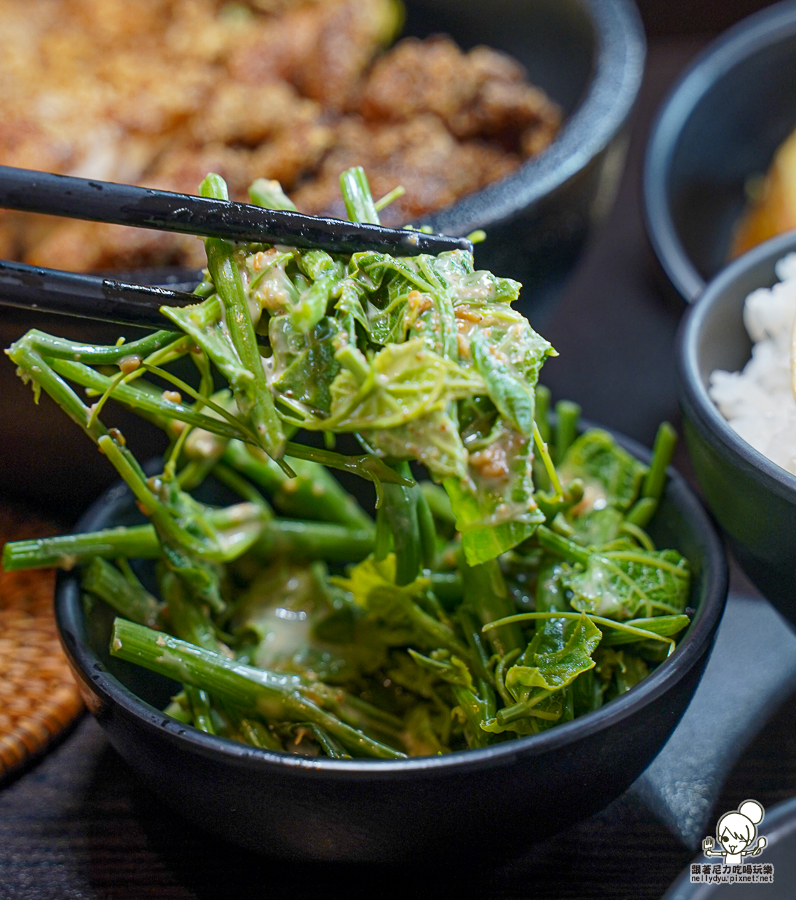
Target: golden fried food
<point>482,93</point>
<point>773,210</point>
<point>159,92</point>
<point>420,154</point>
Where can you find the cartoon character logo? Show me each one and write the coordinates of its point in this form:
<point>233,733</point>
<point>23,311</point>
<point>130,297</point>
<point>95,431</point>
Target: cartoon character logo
<point>736,832</point>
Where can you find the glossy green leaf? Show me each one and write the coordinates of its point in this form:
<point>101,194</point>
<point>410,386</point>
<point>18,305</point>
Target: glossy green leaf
<point>624,584</point>
<point>303,364</point>
<point>560,652</point>
<point>611,475</point>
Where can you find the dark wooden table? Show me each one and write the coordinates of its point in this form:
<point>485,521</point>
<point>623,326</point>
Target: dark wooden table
<point>80,826</point>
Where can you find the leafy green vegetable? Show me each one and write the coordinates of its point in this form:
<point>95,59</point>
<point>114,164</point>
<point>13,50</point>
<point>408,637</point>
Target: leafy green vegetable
<point>476,608</point>
<point>621,584</point>
<point>304,364</point>
<point>611,473</point>
<point>554,659</point>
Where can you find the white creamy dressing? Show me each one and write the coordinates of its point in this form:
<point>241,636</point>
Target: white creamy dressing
<point>287,632</point>
<point>595,586</point>
<point>594,498</point>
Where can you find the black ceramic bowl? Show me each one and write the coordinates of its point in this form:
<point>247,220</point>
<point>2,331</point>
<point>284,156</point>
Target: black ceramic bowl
<point>494,799</point>
<point>587,54</point>
<point>721,124</point>
<point>753,499</point>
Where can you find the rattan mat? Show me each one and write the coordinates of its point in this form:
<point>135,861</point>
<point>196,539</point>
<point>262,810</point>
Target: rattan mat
<point>38,696</point>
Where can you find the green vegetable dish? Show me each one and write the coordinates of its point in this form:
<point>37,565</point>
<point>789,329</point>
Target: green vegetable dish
<point>513,591</point>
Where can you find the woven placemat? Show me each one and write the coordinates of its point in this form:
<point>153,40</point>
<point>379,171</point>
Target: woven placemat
<point>38,696</point>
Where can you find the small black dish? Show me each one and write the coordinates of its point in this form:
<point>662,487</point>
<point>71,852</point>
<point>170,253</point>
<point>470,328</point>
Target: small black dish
<point>753,499</point>
<point>496,799</point>
<point>722,123</point>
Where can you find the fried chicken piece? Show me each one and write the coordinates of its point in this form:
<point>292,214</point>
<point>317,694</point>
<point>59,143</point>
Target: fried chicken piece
<point>151,95</point>
<point>249,114</point>
<point>480,93</point>
<point>31,145</point>
<point>292,152</point>
<point>89,246</point>
<point>86,246</point>
<point>420,154</point>
<point>322,49</point>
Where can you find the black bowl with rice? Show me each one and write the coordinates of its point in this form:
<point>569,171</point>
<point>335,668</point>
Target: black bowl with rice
<point>752,497</point>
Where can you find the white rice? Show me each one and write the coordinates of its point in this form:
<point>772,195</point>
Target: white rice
<point>758,402</point>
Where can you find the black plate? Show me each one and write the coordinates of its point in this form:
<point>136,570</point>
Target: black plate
<point>495,798</point>
<point>779,828</point>
<point>753,499</point>
<point>721,124</point>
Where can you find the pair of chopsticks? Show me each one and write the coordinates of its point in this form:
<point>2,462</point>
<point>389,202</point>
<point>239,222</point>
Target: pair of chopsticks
<point>103,299</point>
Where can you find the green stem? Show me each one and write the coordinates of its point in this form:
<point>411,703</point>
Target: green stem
<point>542,411</point>
<point>269,194</point>
<point>633,632</point>
<point>296,539</point>
<point>400,510</point>
<point>447,587</point>
<point>550,469</point>
<point>292,538</point>
<point>662,452</point>
<point>200,709</point>
<point>313,493</point>
<point>146,402</point>
<point>357,196</point>
<point>567,418</point>
<point>223,267</point>
<point>486,594</point>
<point>61,348</point>
<point>560,546</point>
<point>332,748</point>
<point>641,512</point>
<point>130,600</point>
<point>367,466</point>
<point>187,620</point>
<point>390,197</point>
<point>522,709</point>
<point>438,502</point>
<point>266,693</point>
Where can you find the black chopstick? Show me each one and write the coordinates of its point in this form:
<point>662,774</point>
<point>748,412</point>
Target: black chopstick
<point>88,296</point>
<point>27,190</point>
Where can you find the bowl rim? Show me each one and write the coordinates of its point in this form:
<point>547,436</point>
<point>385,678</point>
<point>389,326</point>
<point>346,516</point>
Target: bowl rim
<point>761,29</point>
<point>699,407</point>
<point>112,693</point>
<point>600,113</point>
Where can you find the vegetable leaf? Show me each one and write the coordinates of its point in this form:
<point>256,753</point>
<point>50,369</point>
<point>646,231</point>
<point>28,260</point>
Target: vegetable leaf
<point>404,382</point>
<point>303,365</point>
<point>609,472</point>
<point>554,659</point>
<point>623,584</point>
<point>495,509</point>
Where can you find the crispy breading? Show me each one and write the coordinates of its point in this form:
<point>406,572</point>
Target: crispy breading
<point>323,49</point>
<point>480,93</point>
<point>420,154</point>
